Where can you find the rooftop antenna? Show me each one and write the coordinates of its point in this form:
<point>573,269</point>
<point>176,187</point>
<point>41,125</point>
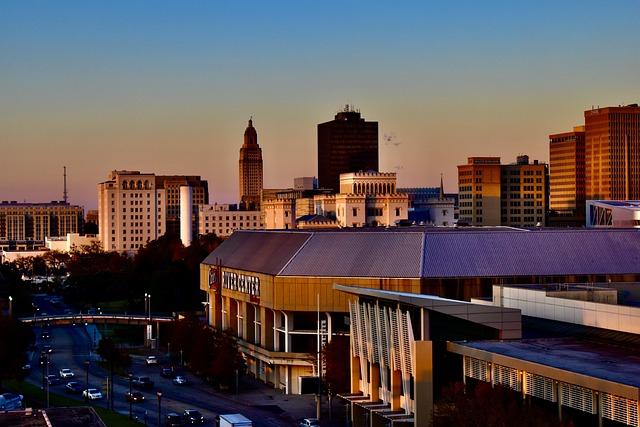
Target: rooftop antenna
<point>64,194</point>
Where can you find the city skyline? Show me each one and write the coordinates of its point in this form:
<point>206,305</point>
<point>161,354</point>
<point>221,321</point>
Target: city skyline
<point>97,87</point>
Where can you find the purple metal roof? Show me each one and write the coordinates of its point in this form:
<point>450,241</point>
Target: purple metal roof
<point>358,254</point>
<point>531,253</point>
<point>432,254</point>
<point>260,252</point>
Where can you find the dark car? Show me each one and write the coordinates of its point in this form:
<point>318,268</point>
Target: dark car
<point>174,420</point>
<point>47,349</point>
<point>142,382</point>
<point>45,335</point>
<point>74,387</point>
<point>166,372</point>
<point>53,379</point>
<point>134,397</point>
<point>191,416</point>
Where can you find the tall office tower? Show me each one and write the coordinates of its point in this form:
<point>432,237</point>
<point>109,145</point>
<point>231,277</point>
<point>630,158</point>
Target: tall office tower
<point>131,210</point>
<point>567,178</point>
<point>612,153</point>
<point>27,225</point>
<point>346,144</point>
<point>200,197</point>
<point>523,198</point>
<point>250,169</point>
<point>479,191</point>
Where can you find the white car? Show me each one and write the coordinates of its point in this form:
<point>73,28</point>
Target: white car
<point>151,360</point>
<point>179,380</point>
<point>92,394</point>
<point>66,373</point>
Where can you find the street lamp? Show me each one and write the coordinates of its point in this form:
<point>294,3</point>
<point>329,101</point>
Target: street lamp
<point>130,399</point>
<point>147,305</point>
<point>86,365</point>
<point>159,394</point>
<point>10,306</point>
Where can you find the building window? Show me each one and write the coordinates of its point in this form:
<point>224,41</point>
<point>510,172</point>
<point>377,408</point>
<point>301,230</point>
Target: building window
<point>397,211</point>
<point>355,211</point>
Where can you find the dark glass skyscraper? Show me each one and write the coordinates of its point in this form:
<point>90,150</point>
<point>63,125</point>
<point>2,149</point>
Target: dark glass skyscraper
<point>346,144</point>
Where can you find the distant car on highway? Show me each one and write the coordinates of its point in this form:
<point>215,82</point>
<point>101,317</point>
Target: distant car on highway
<point>47,349</point>
<point>179,380</point>
<point>92,394</point>
<point>66,373</point>
<point>309,422</point>
<point>173,419</point>
<point>45,335</point>
<point>166,372</point>
<point>134,397</point>
<point>53,379</point>
<point>73,387</point>
<point>151,360</point>
<point>192,416</point>
<point>140,381</point>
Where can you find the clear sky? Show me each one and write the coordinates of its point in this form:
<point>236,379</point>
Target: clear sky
<point>167,87</point>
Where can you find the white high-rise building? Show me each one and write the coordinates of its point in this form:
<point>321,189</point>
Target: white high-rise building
<point>131,210</point>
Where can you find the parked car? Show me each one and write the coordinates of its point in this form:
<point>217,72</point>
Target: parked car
<point>166,372</point>
<point>74,387</point>
<point>10,401</point>
<point>139,381</point>
<point>192,416</point>
<point>309,422</point>
<point>53,379</point>
<point>92,394</point>
<point>134,397</point>
<point>66,373</point>
<point>179,380</point>
<point>173,420</point>
<point>151,360</point>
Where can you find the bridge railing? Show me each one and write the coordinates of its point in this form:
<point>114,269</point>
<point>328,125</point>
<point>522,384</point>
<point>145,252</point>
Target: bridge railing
<point>101,318</point>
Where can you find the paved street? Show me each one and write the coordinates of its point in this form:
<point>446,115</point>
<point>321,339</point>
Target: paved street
<point>72,346</point>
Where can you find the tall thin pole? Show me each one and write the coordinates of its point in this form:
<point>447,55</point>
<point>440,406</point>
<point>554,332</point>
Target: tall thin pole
<point>64,194</point>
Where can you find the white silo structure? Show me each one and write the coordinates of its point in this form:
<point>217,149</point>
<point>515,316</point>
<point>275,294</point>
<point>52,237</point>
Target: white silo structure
<point>186,211</point>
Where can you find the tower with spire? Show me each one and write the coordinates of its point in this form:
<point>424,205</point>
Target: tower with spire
<point>250,169</point>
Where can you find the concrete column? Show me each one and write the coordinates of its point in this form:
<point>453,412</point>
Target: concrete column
<point>374,384</point>
<point>186,213</point>
<point>216,307</point>
<point>355,374</point>
<point>396,387</point>
<point>424,324</point>
<point>423,383</point>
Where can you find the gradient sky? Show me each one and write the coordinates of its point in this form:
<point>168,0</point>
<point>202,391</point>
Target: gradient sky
<point>167,87</point>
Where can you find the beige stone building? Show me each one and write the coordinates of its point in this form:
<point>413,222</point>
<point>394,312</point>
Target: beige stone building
<point>223,219</point>
<point>250,166</point>
<point>132,210</point>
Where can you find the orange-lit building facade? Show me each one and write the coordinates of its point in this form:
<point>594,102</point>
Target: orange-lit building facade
<point>612,153</point>
<point>479,191</point>
<point>524,201</point>
<point>567,178</point>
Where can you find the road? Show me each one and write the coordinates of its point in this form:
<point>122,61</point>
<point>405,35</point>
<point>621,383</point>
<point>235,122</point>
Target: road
<point>72,347</point>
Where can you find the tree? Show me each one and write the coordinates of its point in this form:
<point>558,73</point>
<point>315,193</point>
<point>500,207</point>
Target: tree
<point>15,337</point>
<point>337,358</point>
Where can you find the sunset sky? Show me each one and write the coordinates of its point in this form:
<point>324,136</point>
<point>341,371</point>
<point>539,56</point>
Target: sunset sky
<point>167,87</point>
